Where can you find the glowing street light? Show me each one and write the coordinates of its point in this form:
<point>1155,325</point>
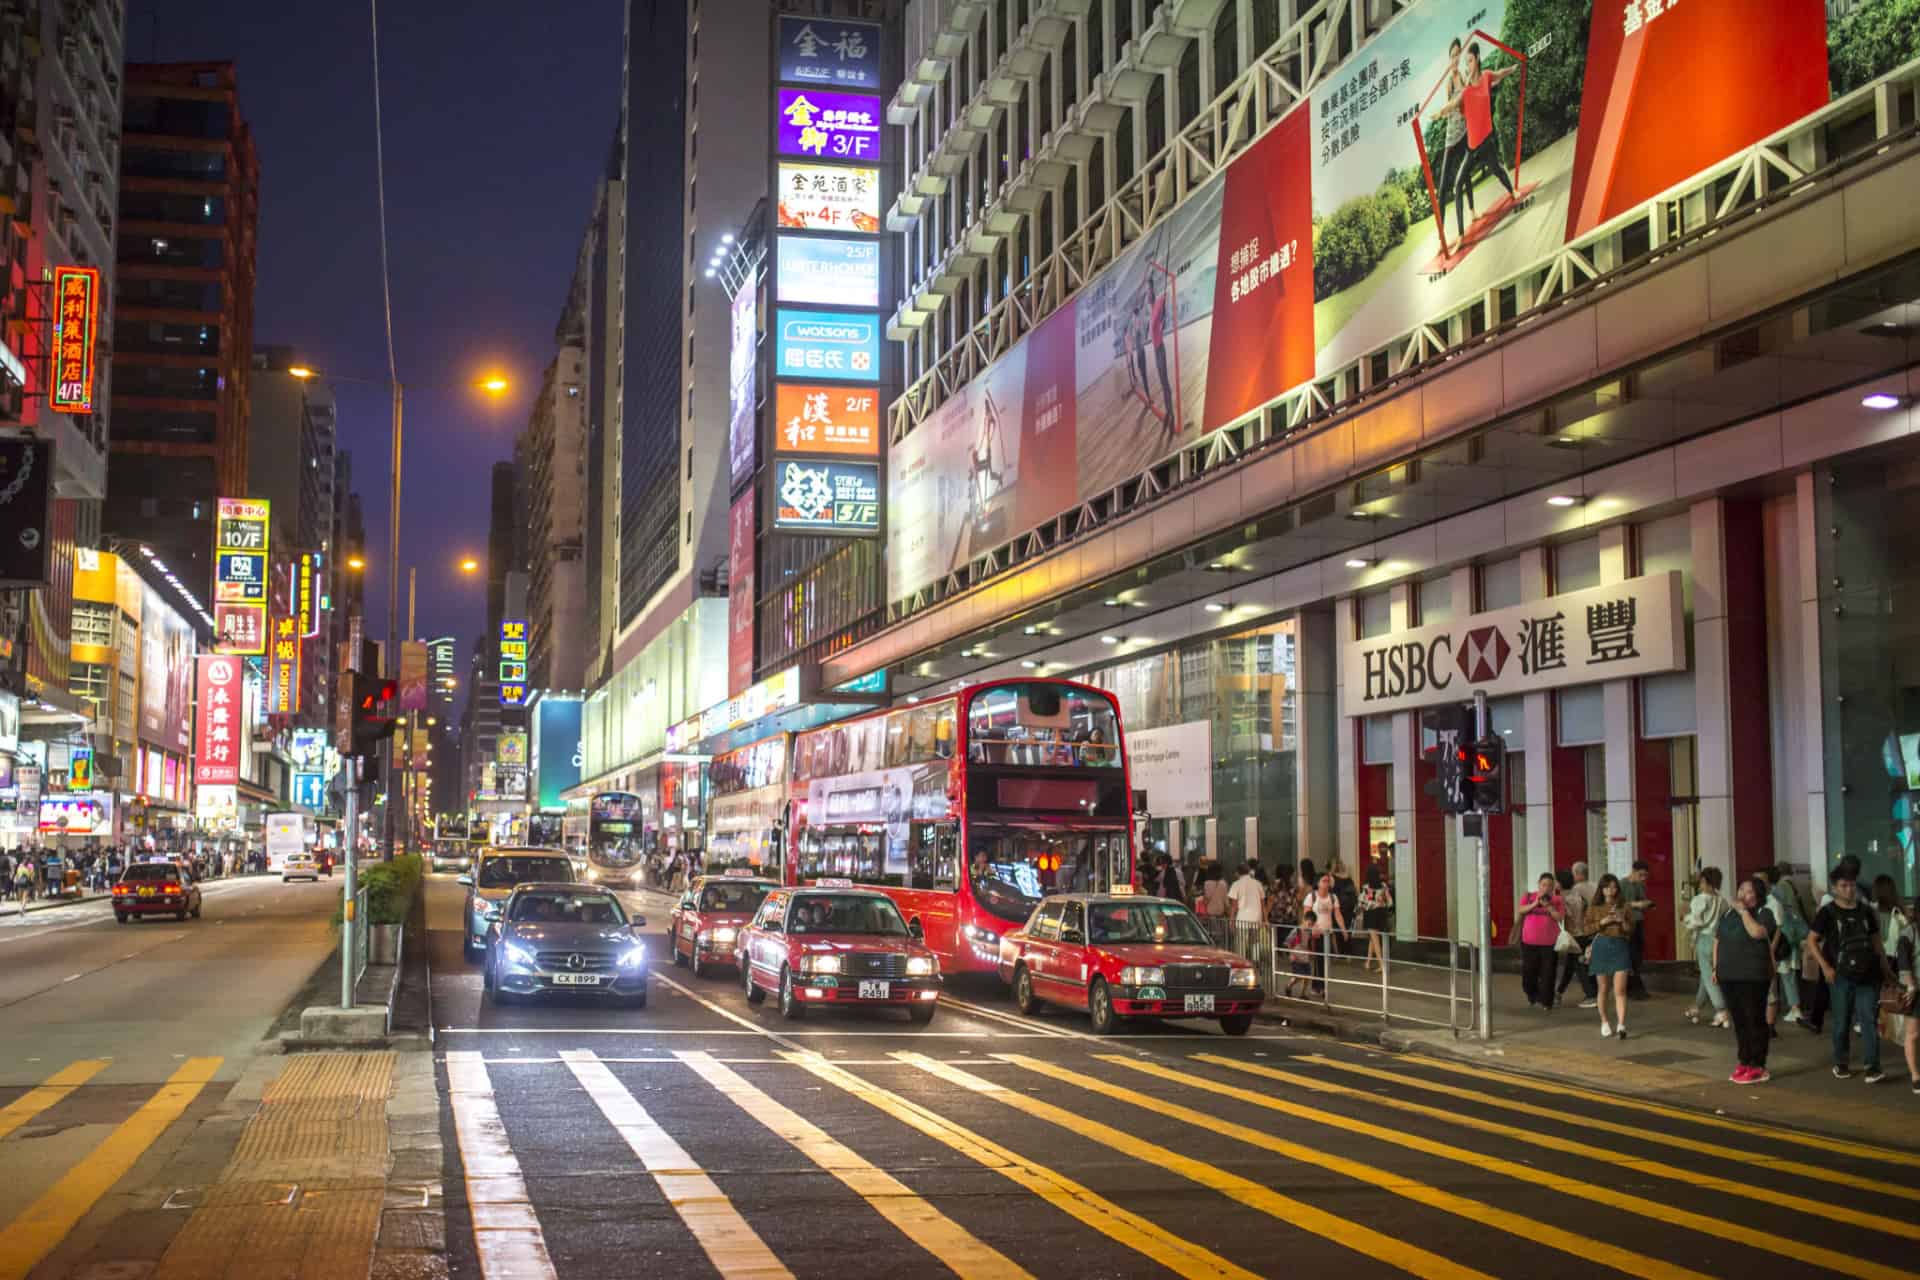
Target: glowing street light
<point>469,565</point>
<point>356,563</point>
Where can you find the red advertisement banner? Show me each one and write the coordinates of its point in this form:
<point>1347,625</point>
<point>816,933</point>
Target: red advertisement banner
<point>218,721</point>
<point>740,594</point>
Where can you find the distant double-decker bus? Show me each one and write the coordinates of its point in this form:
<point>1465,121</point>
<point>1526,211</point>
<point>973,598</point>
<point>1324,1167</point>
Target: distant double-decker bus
<point>614,838</point>
<point>966,809</point>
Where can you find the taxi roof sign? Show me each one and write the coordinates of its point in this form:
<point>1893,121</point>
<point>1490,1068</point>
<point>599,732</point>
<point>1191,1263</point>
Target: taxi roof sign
<point>740,871</point>
<point>834,882</point>
<point>1122,891</point>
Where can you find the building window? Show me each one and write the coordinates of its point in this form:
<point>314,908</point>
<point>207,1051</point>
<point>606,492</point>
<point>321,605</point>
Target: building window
<point>1436,600</point>
<point>1373,613</point>
<point>1376,740</point>
<point>92,623</point>
<point>1499,583</point>
<point>1576,565</point>
<point>1582,716</point>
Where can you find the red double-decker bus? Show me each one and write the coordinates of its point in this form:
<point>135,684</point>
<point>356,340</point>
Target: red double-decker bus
<point>967,809</point>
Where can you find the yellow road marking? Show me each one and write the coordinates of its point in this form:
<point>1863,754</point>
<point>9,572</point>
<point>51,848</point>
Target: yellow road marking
<point>46,1222</point>
<point>55,1088</point>
<point>1562,1118</point>
<point>919,1221</point>
<point>1586,1191</point>
<point>734,1247</point>
<point>1130,1229</point>
<point>1361,1240</point>
<point>1746,1129</point>
<point>1479,1211</point>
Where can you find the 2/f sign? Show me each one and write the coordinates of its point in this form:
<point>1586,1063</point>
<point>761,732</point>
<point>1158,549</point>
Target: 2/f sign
<point>76,318</point>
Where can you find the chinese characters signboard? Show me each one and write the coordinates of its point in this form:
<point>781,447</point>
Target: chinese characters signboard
<point>513,663</point>
<point>829,52</point>
<point>306,594</point>
<point>829,497</point>
<point>820,344</point>
<point>742,359</point>
<point>283,675</point>
<point>240,574</point>
<point>218,722</point>
<point>811,419</point>
<point>826,197</point>
<point>76,299</point>
<point>1631,628</point>
<point>740,594</point>
<point>838,273</point>
<point>829,126</point>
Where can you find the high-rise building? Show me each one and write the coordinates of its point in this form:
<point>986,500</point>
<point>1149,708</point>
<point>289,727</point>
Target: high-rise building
<point>555,451</point>
<point>603,288</point>
<point>183,310</point>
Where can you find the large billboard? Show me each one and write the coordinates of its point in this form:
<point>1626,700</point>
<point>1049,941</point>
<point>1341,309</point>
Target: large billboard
<point>742,358</point>
<point>826,497</point>
<point>1466,140</point>
<point>829,126</point>
<point>829,197</point>
<point>822,344</point>
<point>830,51</point>
<point>166,674</point>
<point>219,720</point>
<point>813,419</point>
<point>240,547</point>
<point>513,662</point>
<point>740,594</point>
<point>831,272</point>
<point>556,749</point>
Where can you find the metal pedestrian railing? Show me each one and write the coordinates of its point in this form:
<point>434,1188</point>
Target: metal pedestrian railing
<point>1426,981</point>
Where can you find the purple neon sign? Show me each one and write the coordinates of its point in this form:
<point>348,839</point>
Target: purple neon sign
<point>833,126</point>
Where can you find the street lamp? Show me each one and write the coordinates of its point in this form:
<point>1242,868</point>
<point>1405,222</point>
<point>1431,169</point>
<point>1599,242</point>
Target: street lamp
<point>494,384</point>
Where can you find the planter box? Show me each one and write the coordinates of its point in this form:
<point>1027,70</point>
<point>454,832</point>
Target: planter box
<point>384,946</point>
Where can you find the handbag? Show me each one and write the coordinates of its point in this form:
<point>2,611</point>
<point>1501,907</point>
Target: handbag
<point>1896,997</point>
<point>1566,944</point>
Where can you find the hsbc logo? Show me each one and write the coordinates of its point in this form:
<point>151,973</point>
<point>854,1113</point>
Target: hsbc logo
<point>1408,669</point>
<point>1484,655</point>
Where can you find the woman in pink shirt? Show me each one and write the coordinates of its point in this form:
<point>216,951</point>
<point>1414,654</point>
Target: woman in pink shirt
<point>1541,913</point>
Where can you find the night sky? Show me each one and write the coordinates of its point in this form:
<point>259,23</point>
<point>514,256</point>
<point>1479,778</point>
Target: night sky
<point>499,115</point>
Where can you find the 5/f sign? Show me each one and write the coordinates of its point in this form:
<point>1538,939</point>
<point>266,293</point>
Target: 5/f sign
<point>76,320</point>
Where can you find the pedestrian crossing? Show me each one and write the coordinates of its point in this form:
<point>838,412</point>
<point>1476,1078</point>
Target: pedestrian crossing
<point>1135,1162</point>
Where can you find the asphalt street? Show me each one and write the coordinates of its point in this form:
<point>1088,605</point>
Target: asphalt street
<point>703,1136</point>
<point>119,1045</point>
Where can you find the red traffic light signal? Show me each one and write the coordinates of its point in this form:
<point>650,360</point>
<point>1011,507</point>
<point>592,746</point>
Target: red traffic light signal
<point>376,711</point>
<point>375,696</point>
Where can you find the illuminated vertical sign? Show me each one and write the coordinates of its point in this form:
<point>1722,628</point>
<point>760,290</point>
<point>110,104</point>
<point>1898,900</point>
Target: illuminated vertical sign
<point>513,663</point>
<point>76,300</point>
<point>240,546</point>
<point>218,723</point>
<point>306,595</point>
<point>283,677</point>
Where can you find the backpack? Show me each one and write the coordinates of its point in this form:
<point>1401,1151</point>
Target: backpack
<point>1853,937</point>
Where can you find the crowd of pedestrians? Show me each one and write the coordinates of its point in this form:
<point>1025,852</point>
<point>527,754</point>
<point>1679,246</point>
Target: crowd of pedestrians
<point>37,874</point>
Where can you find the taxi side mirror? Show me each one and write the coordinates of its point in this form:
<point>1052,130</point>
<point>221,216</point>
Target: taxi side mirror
<point>639,922</point>
<point>914,927</point>
<point>465,880</point>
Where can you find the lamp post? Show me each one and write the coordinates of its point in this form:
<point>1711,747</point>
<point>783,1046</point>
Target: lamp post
<point>494,385</point>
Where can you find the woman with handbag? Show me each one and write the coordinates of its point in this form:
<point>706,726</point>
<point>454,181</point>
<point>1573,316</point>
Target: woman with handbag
<point>1703,921</point>
<point>1905,1018</point>
<point>1543,915</point>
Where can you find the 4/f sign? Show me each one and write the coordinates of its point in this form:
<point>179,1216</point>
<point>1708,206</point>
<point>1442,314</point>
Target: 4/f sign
<point>76,321</point>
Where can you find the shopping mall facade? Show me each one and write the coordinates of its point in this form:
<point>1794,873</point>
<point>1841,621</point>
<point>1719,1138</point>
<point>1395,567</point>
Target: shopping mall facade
<point>1201,409</point>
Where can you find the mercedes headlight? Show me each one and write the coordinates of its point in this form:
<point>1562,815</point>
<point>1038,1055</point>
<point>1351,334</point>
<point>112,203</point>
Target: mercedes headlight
<point>723,935</point>
<point>1142,975</point>
<point>633,957</point>
<point>1242,978</point>
<point>921,967</point>
<point>820,964</point>
<point>518,955</point>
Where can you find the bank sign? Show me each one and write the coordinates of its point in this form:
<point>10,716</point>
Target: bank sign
<point>1632,628</point>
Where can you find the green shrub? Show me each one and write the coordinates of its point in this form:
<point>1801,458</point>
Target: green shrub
<point>390,888</point>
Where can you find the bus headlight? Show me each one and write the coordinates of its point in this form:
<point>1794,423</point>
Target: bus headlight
<point>820,964</point>
<point>1142,975</point>
<point>921,967</point>
<point>985,937</point>
<point>1242,978</point>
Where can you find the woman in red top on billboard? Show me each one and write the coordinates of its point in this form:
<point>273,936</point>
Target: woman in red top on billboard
<point>1469,106</point>
<point>1474,102</point>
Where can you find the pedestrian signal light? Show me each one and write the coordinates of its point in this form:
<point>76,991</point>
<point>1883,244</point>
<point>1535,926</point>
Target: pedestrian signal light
<point>1486,775</point>
<point>376,711</point>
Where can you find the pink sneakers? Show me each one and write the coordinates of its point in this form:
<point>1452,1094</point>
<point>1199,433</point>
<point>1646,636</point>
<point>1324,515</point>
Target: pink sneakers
<point>1750,1075</point>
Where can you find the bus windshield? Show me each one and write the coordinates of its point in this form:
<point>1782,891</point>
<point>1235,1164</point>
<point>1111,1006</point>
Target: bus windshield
<point>1033,723</point>
<point>1010,869</point>
<point>1147,922</point>
<point>614,830</point>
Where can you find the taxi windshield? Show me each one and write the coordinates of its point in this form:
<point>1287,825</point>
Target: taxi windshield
<point>845,913</point>
<point>1123,922</point>
<point>568,908</point>
<point>504,873</point>
<point>734,899</point>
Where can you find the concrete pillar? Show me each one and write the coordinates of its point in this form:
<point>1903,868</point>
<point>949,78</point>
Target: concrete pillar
<point>1323,777</point>
<point>1712,692</point>
<point>1536,710</point>
<point>1345,628</point>
<point>1813,765</point>
<point>1622,722</point>
<point>1406,735</point>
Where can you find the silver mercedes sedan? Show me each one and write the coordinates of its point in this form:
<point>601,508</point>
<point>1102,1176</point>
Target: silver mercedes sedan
<point>567,938</point>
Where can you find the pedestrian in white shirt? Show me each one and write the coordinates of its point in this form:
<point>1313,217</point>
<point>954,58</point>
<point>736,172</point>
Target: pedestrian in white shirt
<point>1247,901</point>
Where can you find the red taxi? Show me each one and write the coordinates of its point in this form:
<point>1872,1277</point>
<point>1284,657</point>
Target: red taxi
<point>831,944</point>
<point>705,927</point>
<point>155,888</point>
<point>1124,956</point>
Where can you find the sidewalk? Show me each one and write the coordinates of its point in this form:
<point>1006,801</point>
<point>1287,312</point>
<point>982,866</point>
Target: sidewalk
<point>1665,1058</point>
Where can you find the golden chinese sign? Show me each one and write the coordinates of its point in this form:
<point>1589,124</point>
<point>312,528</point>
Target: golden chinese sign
<point>76,322</point>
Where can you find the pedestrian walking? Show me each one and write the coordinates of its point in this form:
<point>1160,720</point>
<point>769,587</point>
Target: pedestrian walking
<point>1610,959</point>
<point>1703,922</point>
<point>1246,900</point>
<point>1376,915</point>
<point>1904,1021</point>
<point>1542,912</point>
<point>1740,962</point>
<point>1845,939</point>
<point>1784,902</point>
<point>1634,892</point>
<point>1327,921</point>
<point>1578,892</point>
<point>23,881</point>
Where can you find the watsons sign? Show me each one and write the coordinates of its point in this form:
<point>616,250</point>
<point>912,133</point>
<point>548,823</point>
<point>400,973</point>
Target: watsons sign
<point>1632,628</point>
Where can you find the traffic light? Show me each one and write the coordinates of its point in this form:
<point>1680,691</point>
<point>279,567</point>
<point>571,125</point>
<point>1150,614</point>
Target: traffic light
<point>1452,728</point>
<point>375,711</point>
<point>1486,776</point>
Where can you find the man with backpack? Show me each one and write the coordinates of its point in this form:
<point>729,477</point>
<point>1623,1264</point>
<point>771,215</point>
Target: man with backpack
<point>1845,941</point>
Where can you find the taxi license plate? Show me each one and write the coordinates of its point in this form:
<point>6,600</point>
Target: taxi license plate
<point>1199,1004</point>
<point>875,990</point>
<point>146,893</point>
<point>576,979</point>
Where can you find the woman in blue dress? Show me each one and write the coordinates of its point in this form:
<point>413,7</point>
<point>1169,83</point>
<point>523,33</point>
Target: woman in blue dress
<point>1610,924</point>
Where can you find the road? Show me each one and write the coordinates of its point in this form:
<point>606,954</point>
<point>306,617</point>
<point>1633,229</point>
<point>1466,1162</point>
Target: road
<point>704,1136</point>
<point>119,1047</point>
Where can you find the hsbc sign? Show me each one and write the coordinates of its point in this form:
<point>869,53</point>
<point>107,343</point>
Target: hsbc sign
<point>1632,628</point>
